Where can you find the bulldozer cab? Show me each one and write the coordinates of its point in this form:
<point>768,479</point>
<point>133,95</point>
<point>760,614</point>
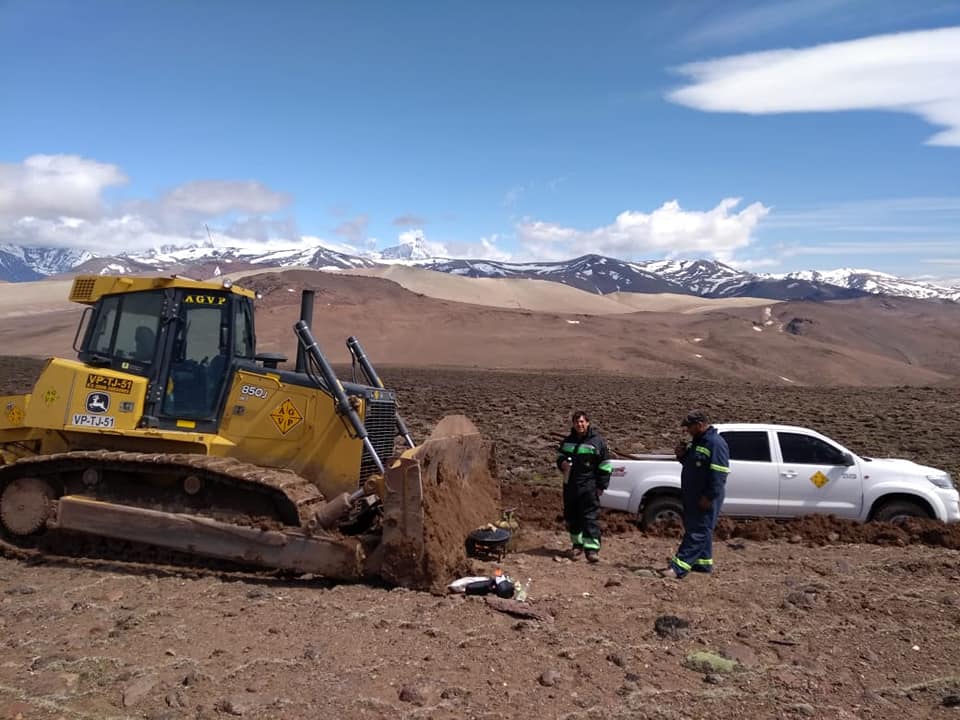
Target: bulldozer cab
<point>184,341</point>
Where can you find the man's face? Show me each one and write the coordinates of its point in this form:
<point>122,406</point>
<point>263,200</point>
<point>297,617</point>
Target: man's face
<point>695,429</point>
<point>580,425</point>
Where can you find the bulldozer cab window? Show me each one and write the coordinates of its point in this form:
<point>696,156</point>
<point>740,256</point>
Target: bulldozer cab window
<point>243,344</point>
<point>199,362</point>
<point>124,329</point>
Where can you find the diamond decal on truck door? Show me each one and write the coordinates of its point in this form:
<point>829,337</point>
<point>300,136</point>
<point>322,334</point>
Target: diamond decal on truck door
<point>819,479</point>
<point>286,416</point>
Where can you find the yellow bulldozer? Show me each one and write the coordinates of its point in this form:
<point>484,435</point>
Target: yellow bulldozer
<point>170,431</point>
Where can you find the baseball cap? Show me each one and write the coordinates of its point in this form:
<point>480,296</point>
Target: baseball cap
<point>695,416</point>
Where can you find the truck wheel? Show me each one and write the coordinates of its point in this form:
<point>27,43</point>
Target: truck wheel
<point>896,511</point>
<point>664,509</point>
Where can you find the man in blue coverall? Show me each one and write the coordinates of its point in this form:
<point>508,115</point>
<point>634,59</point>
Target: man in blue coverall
<point>706,464</point>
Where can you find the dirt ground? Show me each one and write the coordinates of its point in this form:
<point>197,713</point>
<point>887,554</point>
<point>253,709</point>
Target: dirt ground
<point>817,618</point>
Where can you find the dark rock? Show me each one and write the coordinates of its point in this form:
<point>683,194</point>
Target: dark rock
<point>549,678</point>
<point>798,326</point>
<point>617,659</point>
<point>20,590</point>
<point>416,693</point>
<point>671,627</point>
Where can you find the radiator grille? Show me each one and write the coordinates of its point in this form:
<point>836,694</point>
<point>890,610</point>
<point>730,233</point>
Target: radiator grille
<point>381,424</point>
<point>82,289</point>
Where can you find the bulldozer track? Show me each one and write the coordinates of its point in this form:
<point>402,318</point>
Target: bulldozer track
<point>288,501</point>
<point>167,563</point>
<point>302,495</point>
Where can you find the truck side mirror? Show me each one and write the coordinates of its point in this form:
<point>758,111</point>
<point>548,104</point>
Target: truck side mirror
<point>847,459</point>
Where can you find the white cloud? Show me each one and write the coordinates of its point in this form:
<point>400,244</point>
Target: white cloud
<point>58,201</point>
<point>513,195</point>
<point>914,215</point>
<point>212,198</point>
<point>54,185</point>
<point>487,249</point>
<point>668,230</point>
<point>353,230</point>
<point>911,72</point>
<point>752,21</point>
<point>756,264</point>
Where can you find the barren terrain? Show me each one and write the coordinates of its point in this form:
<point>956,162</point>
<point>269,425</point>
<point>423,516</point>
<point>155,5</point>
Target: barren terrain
<point>820,618</point>
<point>465,323</point>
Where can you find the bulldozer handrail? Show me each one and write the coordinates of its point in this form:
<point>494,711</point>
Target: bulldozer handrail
<point>312,349</point>
<point>367,367</point>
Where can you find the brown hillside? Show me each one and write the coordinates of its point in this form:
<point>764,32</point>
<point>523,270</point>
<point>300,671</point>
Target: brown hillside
<point>871,341</point>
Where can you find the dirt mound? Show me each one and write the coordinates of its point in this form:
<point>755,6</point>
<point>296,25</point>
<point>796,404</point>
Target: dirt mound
<point>824,530</point>
<point>460,492</point>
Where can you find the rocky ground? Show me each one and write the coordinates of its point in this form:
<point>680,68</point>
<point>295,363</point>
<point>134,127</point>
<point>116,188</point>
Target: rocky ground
<point>810,619</point>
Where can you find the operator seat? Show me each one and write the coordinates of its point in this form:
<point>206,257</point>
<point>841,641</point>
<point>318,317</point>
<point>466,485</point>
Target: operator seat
<point>144,339</point>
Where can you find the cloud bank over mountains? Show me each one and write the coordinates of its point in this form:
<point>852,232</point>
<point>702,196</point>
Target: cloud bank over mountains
<point>62,201</point>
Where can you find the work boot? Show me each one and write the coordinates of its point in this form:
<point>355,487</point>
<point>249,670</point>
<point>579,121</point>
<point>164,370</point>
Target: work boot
<point>592,556</point>
<point>575,552</point>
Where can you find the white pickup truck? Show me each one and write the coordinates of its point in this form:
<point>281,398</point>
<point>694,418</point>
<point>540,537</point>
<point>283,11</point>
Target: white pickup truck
<point>785,471</point>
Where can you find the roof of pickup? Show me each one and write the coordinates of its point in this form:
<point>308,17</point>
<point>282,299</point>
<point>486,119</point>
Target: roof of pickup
<point>723,427</point>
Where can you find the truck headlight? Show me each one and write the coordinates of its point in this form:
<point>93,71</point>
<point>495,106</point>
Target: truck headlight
<point>944,481</point>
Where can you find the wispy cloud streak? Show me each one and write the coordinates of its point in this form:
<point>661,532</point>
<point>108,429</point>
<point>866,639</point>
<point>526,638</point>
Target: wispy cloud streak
<point>911,72</point>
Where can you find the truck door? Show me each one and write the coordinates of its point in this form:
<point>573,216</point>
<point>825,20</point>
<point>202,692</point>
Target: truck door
<point>753,485</point>
<point>814,477</point>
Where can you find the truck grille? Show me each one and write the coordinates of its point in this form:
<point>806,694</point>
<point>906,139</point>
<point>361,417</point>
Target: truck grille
<point>381,423</point>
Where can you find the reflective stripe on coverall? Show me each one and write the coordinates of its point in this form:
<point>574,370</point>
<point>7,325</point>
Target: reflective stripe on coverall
<point>706,464</point>
<point>589,476</point>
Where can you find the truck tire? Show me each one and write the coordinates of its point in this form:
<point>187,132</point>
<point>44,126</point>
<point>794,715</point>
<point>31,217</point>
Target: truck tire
<point>665,509</point>
<point>897,511</point>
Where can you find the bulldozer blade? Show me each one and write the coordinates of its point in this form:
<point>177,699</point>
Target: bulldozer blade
<point>435,495</point>
<point>335,557</point>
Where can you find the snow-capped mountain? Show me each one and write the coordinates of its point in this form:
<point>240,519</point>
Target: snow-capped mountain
<point>592,273</point>
<point>876,283</point>
<point>709,278</point>
<point>706,278</point>
<point>21,264</point>
<point>412,248</point>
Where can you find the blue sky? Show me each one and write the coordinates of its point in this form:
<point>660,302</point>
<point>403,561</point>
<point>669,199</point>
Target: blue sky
<point>774,136</point>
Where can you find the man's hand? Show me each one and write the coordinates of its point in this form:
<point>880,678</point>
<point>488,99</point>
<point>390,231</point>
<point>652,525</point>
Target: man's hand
<point>705,503</point>
<point>600,492</point>
<point>564,466</point>
<point>680,449</point>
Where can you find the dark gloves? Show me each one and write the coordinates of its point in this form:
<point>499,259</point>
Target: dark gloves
<point>680,449</point>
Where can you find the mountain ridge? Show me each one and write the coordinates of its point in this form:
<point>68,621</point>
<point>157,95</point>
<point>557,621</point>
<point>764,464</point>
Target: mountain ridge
<point>591,272</point>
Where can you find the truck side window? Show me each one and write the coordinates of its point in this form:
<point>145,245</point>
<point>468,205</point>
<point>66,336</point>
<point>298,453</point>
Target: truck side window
<point>752,445</point>
<point>807,450</point>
